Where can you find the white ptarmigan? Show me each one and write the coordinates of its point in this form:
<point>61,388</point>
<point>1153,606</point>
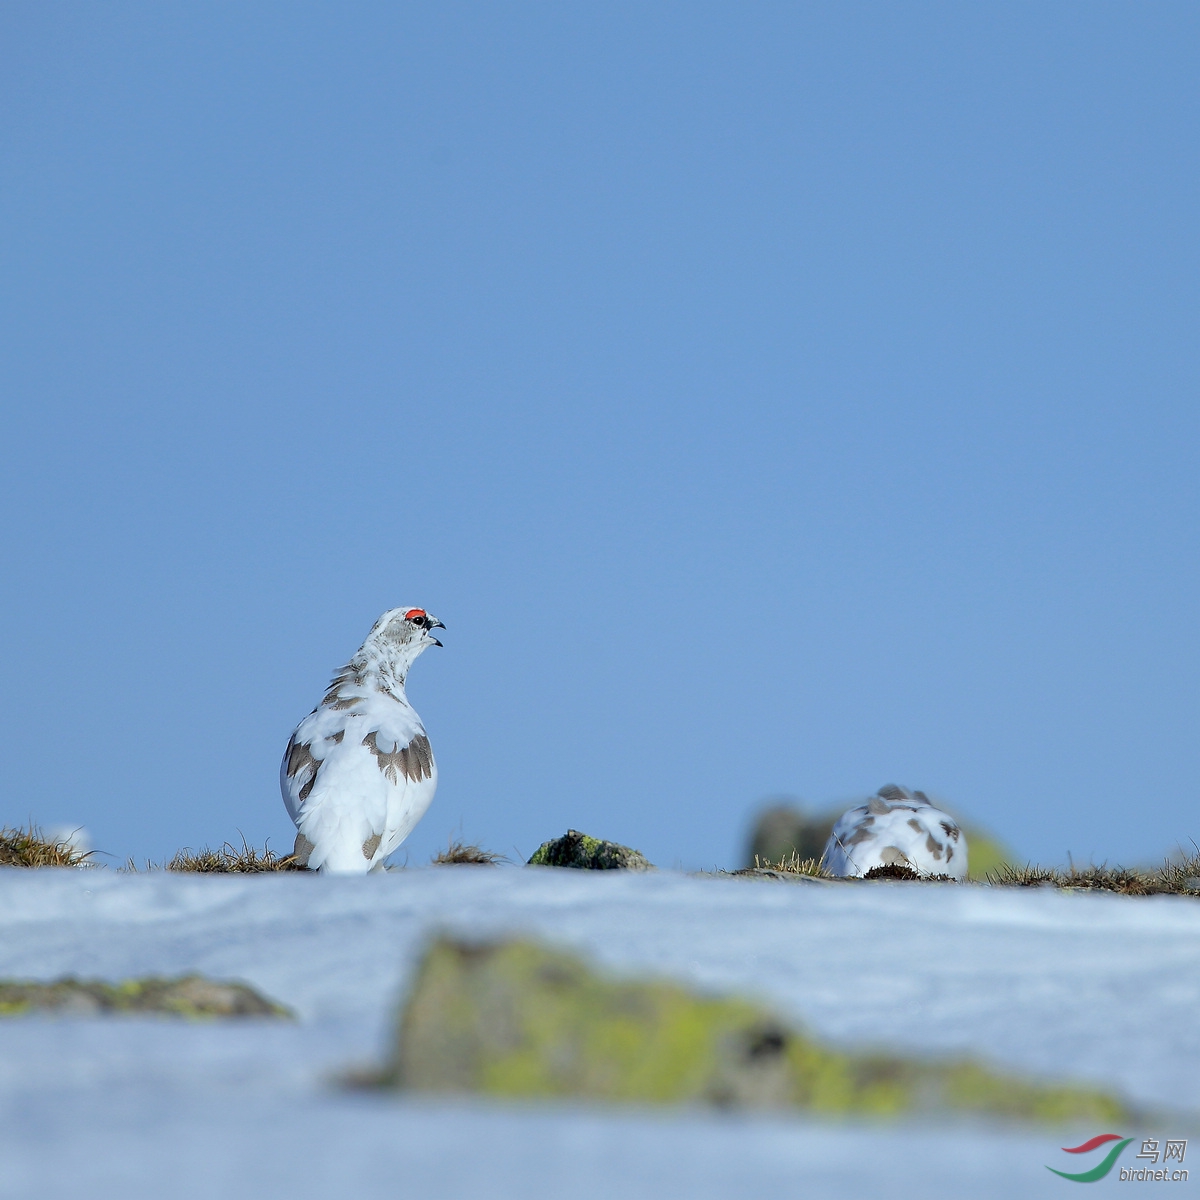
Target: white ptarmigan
<point>896,827</point>
<point>358,772</point>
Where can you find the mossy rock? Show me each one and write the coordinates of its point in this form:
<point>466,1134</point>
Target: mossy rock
<point>517,1019</point>
<point>191,996</point>
<point>575,849</point>
<point>784,831</point>
<point>985,853</point>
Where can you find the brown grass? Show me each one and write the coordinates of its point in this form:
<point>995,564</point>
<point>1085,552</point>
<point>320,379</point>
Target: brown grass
<point>457,853</point>
<point>793,864</point>
<point>1173,878</point>
<point>1180,878</point>
<point>31,848</point>
<point>230,860</point>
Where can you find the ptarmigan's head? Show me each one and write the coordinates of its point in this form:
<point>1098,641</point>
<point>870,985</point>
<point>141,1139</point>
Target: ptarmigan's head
<point>403,633</point>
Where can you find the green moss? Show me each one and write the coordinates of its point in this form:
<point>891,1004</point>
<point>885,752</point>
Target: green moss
<point>971,1088</point>
<point>575,849</point>
<point>515,1019</point>
<point>191,996</point>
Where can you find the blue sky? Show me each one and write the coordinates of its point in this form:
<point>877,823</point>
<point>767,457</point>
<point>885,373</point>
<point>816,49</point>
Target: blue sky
<point>771,399</point>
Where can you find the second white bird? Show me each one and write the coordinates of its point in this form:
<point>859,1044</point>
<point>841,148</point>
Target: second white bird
<point>900,828</point>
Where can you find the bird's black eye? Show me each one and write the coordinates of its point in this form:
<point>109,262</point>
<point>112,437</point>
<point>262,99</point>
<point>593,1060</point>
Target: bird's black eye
<point>422,622</point>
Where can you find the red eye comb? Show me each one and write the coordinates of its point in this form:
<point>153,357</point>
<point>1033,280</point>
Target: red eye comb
<point>414,612</point>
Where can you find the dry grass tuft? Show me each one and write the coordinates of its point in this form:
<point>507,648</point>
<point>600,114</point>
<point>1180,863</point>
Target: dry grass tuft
<point>1176,878</point>
<point>456,853</point>
<point>31,848</point>
<point>790,867</point>
<point>1182,877</point>
<point>793,864</point>
<point>230,860</point>
<point>1171,879</point>
<point>1113,879</point>
<point>1030,875</point>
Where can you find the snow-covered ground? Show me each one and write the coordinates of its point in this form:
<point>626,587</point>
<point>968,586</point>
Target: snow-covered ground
<point>1092,987</point>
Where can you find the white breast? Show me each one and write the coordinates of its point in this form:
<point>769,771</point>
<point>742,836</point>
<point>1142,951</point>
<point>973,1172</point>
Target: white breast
<point>357,776</point>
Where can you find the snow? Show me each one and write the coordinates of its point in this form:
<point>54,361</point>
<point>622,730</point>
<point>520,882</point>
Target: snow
<point>1092,987</point>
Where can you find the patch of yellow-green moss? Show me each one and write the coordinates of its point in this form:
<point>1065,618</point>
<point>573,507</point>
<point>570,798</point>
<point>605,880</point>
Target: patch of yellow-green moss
<point>517,1019</point>
<point>985,853</point>
<point>190,996</point>
<point>578,850</point>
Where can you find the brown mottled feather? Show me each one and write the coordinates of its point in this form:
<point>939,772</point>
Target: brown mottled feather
<point>414,761</point>
<point>348,675</point>
<point>300,758</point>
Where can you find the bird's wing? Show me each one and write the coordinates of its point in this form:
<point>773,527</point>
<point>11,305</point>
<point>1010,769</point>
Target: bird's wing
<point>399,747</point>
<point>310,745</point>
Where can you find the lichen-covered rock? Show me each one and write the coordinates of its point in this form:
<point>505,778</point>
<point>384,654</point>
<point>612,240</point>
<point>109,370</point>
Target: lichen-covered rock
<point>188,996</point>
<point>575,849</point>
<point>516,1019</point>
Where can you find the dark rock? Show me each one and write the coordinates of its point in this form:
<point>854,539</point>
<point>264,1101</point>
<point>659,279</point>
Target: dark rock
<point>575,849</point>
<point>784,831</point>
